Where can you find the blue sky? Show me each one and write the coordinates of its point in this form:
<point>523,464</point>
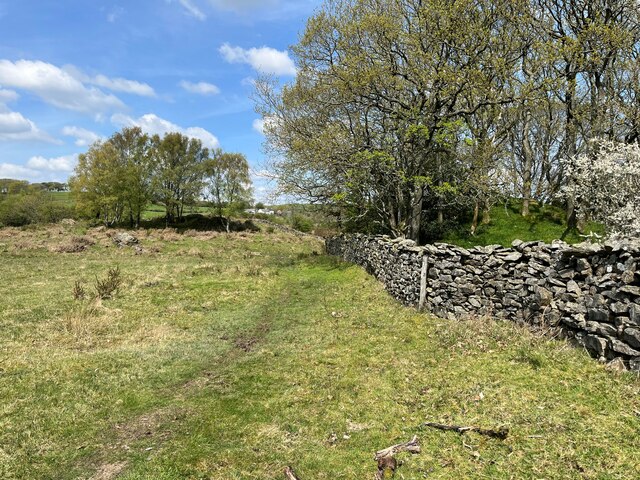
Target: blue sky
<point>73,71</point>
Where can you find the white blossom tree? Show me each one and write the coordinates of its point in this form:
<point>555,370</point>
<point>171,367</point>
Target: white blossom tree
<point>605,186</point>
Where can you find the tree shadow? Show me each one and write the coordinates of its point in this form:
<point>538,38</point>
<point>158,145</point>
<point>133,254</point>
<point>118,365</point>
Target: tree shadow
<point>201,223</point>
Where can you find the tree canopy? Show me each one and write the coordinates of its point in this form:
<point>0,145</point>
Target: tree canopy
<point>406,113</point>
<point>227,179</point>
<point>116,179</point>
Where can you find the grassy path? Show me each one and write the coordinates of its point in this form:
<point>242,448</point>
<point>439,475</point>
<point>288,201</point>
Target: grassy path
<point>229,357</point>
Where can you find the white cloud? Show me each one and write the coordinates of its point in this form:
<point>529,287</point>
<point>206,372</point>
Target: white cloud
<point>83,136</point>
<point>123,85</point>
<point>114,14</point>
<point>115,84</point>
<point>152,124</point>
<point>59,164</point>
<point>258,125</point>
<point>56,86</point>
<point>11,170</point>
<point>200,88</point>
<point>40,169</point>
<point>15,127</point>
<point>7,96</point>
<point>242,5</point>
<point>264,186</point>
<point>192,10</point>
<point>14,122</point>
<point>264,59</point>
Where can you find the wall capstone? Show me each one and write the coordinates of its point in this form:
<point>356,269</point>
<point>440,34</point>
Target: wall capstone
<point>588,292</point>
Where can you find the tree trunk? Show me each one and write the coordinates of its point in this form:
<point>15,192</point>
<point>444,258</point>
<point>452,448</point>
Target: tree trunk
<point>570,146</point>
<point>391,217</point>
<point>527,150</point>
<point>486,213</point>
<point>527,153</point>
<point>416,213</point>
<point>476,215</point>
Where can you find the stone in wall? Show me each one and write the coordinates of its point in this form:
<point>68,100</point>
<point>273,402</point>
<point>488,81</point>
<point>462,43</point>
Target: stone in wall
<point>591,292</point>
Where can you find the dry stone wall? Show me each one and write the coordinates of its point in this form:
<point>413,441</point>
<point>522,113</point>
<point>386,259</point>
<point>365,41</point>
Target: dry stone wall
<point>589,292</point>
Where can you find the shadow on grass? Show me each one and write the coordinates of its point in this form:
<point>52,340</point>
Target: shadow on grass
<point>313,259</point>
<point>328,262</point>
<point>203,223</point>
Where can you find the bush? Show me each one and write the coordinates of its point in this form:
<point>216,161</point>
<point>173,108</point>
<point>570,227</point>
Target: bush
<point>302,224</point>
<point>108,287</point>
<point>19,210</point>
<point>29,208</point>
<point>79,293</point>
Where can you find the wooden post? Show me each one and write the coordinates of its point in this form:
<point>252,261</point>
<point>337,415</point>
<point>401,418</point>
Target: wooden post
<point>423,283</point>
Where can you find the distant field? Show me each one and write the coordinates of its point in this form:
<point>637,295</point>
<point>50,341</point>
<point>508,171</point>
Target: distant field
<point>62,197</point>
<point>232,356</point>
<point>152,211</point>
<point>155,211</point>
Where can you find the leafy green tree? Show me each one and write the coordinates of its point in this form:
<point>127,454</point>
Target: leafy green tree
<point>99,183</point>
<point>178,172</point>
<point>135,158</point>
<point>586,42</point>
<point>228,181</point>
<point>9,186</point>
<point>27,207</point>
<point>112,180</point>
<point>372,122</point>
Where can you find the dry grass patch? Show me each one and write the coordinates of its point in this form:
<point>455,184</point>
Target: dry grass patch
<point>88,325</point>
<point>109,471</point>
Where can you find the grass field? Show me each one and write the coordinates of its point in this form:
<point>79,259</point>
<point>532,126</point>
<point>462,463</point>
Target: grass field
<point>232,356</point>
<point>545,222</point>
<point>151,212</point>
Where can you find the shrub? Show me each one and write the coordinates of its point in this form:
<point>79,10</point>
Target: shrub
<point>29,208</point>
<point>108,287</point>
<point>302,224</point>
<point>20,210</point>
<point>79,293</point>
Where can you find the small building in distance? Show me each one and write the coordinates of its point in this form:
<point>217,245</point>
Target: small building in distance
<point>263,211</point>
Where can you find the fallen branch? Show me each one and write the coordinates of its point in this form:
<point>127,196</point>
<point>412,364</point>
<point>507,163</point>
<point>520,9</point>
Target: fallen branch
<point>413,447</point>
<point>501,432</point>
<point>387,463</point>
<point>289,475</point>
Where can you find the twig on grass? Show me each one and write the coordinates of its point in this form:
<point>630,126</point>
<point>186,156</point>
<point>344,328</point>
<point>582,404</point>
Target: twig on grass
<point>500,432</point>
<point>289,474</point>
<point>387,464</point>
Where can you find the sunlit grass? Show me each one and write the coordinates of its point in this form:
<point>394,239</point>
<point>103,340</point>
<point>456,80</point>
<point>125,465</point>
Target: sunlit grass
<point>545,223</point>
<point>231,356</point>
